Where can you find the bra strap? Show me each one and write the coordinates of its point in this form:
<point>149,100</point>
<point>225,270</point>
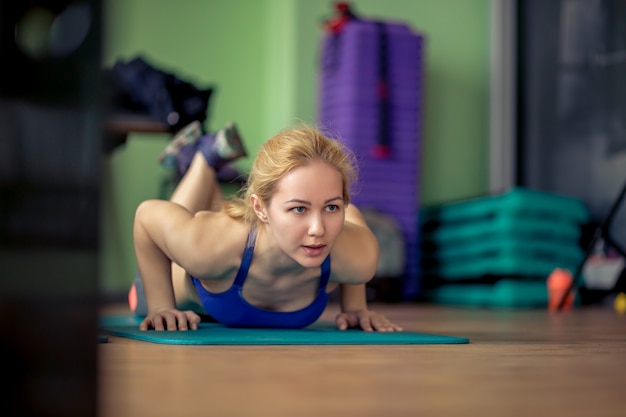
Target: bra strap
<point>325,273</point>
<point>246,260</point>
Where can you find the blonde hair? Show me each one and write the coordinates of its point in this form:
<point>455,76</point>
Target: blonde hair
<point>282,153</point>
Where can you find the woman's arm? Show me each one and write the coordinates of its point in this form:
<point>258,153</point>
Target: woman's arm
<point>353,298</point>
<point>159,232</point>
<point>358,249</point>
<point>354,312</point>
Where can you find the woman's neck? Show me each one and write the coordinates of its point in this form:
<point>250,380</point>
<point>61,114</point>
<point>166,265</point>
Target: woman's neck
<point>268,253</point>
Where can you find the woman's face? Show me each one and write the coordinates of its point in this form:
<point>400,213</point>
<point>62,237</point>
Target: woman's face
<point>307,212</point>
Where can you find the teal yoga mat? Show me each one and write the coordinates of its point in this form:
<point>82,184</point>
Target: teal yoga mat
<point>320,333</point>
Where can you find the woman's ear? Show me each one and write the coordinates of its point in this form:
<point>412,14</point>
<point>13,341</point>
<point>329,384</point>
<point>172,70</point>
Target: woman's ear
<point>258,207</point>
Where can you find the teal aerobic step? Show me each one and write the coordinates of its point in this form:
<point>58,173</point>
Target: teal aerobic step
<point>502,226</point>
<point>510,246</point>
<point>504,293</point>
<point>512,265</point>
<point>521,201</point>
<point>521,232</point>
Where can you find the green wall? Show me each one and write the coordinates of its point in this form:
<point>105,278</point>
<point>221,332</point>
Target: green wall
<point>261,56</point>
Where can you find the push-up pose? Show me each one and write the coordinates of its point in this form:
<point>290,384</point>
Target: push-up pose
<point>268,257</point>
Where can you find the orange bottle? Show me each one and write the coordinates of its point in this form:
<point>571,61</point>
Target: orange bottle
<point>558,283</point>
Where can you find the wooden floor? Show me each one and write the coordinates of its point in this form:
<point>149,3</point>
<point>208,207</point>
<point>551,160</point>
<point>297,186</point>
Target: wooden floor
<point>518,363</point>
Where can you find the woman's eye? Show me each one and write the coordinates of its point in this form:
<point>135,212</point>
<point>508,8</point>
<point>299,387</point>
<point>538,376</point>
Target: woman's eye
<point>298,209</point>
<point>332,207</point>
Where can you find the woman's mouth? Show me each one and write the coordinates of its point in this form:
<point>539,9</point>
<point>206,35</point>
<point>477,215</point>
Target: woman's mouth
<point>313,250</point>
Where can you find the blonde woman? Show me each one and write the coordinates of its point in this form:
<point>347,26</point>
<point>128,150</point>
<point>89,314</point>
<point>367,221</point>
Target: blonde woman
<point>269,257</point>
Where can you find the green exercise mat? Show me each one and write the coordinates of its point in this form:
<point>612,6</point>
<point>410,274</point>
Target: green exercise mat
<point>320,333</point>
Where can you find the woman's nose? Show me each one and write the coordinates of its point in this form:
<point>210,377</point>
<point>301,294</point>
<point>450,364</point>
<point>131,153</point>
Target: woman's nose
<point>316,226</point>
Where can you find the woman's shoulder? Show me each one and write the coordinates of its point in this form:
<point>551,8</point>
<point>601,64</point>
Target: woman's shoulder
<point>220,222</point>
<point>217,227</point>
<point>219,243</point>
<point>354,257</point>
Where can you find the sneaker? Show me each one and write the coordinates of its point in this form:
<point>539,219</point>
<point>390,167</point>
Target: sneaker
<point>137,297</point>
<point>231,175</point>
<point>182,159</point>
<point>188,135</point>
<point>218,149</point>
<point>222,147</point>
<point>228,143</point>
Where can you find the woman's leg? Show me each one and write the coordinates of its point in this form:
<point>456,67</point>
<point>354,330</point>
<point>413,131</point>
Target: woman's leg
<point>199,189</point>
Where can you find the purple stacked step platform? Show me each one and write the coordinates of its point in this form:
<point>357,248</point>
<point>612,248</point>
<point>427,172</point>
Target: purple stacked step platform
<point>349,107</point>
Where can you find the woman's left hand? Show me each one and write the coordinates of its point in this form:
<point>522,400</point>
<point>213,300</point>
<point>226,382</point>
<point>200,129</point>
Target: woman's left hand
<point>367,320</point>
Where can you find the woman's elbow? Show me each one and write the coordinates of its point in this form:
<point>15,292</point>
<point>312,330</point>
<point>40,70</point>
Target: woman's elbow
<point>369,264</point>
<point>144,209</point>
<point>143,212</point>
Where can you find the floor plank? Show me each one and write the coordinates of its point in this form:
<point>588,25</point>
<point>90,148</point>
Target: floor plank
<point>518,363</point>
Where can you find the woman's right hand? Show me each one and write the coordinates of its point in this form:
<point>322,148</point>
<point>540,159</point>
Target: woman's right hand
<point>170,319</point>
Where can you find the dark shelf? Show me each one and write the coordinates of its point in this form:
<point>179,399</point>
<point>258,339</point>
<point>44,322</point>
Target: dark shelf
<point>118,127</point>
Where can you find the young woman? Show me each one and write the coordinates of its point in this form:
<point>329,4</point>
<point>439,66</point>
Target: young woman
<point>269,257</point>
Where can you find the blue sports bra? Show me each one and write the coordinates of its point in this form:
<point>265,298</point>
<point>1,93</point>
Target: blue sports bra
<point>231,309</point>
